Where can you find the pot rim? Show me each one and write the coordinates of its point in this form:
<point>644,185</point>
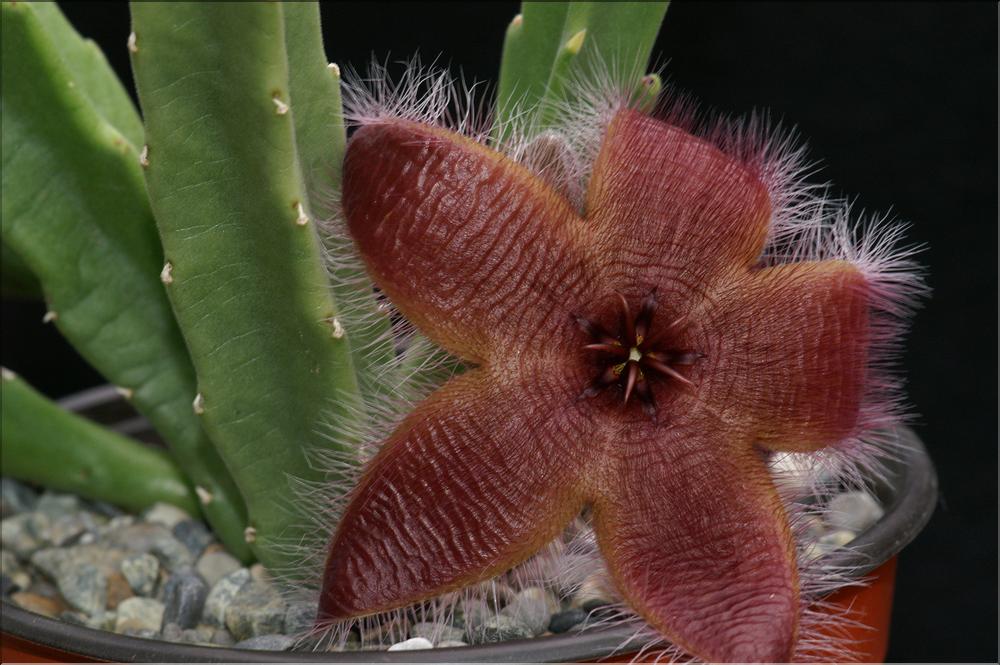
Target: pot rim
<point>908,494</point>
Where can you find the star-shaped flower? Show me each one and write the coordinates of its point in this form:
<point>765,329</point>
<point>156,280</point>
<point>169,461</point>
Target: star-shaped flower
<point>637,358</point>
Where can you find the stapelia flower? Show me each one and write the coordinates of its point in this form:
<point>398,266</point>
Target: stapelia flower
<point>637,359</point>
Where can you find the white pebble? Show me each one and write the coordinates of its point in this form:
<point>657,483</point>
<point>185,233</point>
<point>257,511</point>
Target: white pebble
<point>166,515</point>
<point>412,644</point>
<point>836,539</point>
<point>853,511</point>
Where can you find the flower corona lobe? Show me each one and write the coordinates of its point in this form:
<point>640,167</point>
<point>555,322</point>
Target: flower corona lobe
<point>631,358</point>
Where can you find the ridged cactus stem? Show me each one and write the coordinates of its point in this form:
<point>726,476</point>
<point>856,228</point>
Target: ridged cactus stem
<point>75,209</point>
<point>320,137</point>
<point>46,445</point>
<point>248,285</point>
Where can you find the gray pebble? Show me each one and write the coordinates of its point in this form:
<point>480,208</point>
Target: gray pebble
<point>103,620</point>
<point>144,633</point>
<point>81,572</point>
<point>300,617</point>
<point>100,621</point>
<point>501,628</point>
<point>221,596</point>
<point>532,607</point>
<point>7,585</point>
<point>184,597</point>
<point>22,580</point>
<point>85,587</point>
<point>54,505</point>
<point>214,565</point>
<point>139,614</point>
<point>154,539</point>
<point>437,632</point>
<point>141,572</point>
<point>194,535</point>
<point>40,586</point>
<point>63,530</point>
<point>222,638</point>
<point>165,515</point>
<point>563,621</point>
<point>256,610</point>
<point>853,511</point>
<point>8,562</point>
<point>16,536</point>
<point>74,618</point>
<point>471,614</point>
<point>267,643</point>
<point>450,644</point>
<point>50,561</point>
<point>116,523</point>
<point>171,632</point>
<point>10,569</point>
<point>205,632</point>
<point>412,644</point>
<point>106,509</point>
<point>192,636</point>
<point>15,498</point>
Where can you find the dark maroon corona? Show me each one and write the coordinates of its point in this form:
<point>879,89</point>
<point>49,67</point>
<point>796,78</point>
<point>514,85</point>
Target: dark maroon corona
<point>632,359</point>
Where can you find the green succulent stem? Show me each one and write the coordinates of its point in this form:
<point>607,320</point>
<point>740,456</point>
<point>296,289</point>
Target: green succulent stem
<point>46,445</point>
<point>227,180</point>
<point>17,279</point>
<point>74,208</point>
<point>320,138</point>
<point>549,41</point>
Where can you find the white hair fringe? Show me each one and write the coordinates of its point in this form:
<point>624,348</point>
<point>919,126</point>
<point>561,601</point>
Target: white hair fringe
<point>807,223</point>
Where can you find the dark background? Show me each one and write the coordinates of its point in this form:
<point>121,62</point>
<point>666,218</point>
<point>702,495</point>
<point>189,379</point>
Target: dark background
<point>899,101</point>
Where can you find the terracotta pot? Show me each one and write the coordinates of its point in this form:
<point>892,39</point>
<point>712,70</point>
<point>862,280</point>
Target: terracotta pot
<point>909,495</point>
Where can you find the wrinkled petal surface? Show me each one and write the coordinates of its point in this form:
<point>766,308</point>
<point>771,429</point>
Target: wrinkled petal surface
<point>496,266</point>
<point>788,353</point>
<point>671,210</point>
<point>478,477</point>
<point>697,541</point>
<point>472,248</point>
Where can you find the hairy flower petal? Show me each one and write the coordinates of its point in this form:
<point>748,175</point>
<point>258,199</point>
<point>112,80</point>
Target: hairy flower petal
<point>790,353</point>
<point>469,245</point>
<point>671,210</point>
<point>474,481</point>
<point>697,541</point>
<point>636,353</point>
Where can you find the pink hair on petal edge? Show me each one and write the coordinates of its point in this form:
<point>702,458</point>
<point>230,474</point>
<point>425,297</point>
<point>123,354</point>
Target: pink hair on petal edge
<point>807,224</point>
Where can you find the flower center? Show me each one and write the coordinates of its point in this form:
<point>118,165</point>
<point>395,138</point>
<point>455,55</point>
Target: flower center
<point>634,357</point>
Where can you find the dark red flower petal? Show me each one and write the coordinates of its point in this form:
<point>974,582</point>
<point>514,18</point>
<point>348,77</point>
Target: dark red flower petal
<point>697,541</point>
<point>671,210</point>
<point>791,357</point>
<point>469,245</point>
<point>479,477</point>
